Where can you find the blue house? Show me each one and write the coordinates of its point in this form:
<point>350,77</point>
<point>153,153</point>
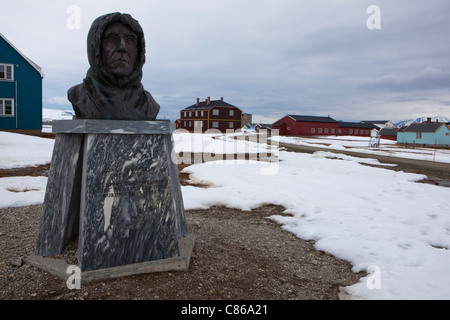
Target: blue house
<point>427,134</point>
<point>20,91</point>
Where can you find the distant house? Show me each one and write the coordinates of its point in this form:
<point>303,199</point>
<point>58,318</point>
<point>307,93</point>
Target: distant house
<point>358,129</point>
<point>256,127</point>
<point>20,91</point>
<point>211,114</point>
<point>427,134</point>
<point>380,123</point>
<point>300,125</point>
<point>262,126</point>
<point>388,133</point>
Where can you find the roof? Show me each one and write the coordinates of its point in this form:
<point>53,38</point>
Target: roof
<point>357,125</point>
<point>267,125</point>
<point>423,127</point>
<point>375,121</point>
<point>34,65</point>
<point>388,132</point>
<point>213,103</point>
<point>311,118</point>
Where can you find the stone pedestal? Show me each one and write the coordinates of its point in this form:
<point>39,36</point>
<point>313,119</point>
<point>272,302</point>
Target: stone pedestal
<point>115,185</point>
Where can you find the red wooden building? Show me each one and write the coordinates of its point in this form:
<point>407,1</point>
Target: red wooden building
<point>210,114</point>
<point>298,125</point>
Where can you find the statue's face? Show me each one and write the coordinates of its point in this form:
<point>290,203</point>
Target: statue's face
<point>119,49</point>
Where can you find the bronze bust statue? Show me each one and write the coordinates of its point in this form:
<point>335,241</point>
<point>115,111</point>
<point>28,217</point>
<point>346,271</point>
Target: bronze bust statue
<point>112,88</point>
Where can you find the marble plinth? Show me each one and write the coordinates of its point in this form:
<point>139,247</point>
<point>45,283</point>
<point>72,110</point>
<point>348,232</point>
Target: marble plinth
<point>122,190</point>
<point>61,208</point>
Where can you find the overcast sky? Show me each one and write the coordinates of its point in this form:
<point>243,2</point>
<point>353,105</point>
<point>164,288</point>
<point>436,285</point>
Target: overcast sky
<point>269,58</point>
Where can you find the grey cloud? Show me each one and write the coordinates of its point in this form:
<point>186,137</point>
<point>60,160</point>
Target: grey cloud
<point>429,78</point>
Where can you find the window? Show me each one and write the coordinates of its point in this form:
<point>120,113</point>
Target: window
<point>367,131</point>
<point>215,124</point>
<point>190,114</point>
<point>313,130</point>
<point>198,124</point>
<point>356,131</point>
<point>351,131</point>
<point>184,124</point>
<point>332,131</point>
<point>196,113</point>
<point>6,107</point>
<point>201,113</point>
<point>230,125</point>
<point>231,113</point>
<point>320,130</point>
<point>215,112</point>
<point>185,114</point>
<point>418,135</point>
<point>326,130</point>
<point>6,72</point>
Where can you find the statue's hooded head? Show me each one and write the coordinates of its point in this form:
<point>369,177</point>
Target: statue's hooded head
<point>97,47</point>
<point>112,88</point>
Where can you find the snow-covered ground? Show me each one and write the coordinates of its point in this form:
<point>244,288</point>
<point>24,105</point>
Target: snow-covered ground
<point>379,220</point>
<point>361,144</point>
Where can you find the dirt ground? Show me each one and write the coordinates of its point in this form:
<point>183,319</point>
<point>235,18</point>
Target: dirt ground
<point>237,256</point>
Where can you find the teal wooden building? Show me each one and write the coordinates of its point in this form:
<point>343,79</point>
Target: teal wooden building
<point>427,134</point>
<point>20,91</point>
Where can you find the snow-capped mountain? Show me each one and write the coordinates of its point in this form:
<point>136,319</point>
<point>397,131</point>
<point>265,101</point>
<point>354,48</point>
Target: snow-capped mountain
<point>420,120</point>
<point>48,115</point>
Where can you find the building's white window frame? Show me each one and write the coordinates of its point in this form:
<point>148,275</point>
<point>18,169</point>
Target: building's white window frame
<point>326,130</point>
<point>320,130</point>
<point>5,77</point>
<point>198,124</point>
<point>418,135</point>
<point>313,130</point>
<point>333,131</point>
<point>215,112</point>
<point>230,125</point>
<point>2,107</point>
<point>231,113</point>
<point>215,124</point>
<point>201,113</point>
